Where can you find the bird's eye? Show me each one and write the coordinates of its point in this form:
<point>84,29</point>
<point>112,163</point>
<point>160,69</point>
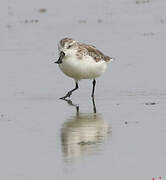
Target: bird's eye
<point>69,46</point>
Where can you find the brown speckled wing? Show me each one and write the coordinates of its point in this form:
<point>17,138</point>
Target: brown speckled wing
<point>95,53</point>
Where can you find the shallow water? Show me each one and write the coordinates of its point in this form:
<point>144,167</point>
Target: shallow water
<point>42,137</point>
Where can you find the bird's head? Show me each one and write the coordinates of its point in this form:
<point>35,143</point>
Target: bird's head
<point>66,47</point>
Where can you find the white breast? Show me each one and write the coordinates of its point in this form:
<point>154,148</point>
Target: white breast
<point>85,68</point>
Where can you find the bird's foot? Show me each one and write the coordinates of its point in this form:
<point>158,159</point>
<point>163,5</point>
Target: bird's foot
<point>66,96</point>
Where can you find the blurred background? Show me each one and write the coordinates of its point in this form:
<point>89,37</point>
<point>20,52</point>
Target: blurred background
<point>35,127</point>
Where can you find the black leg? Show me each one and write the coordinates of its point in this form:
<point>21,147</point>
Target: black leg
<point>70,92</point>
<point>93,90</point>
<point>94,105</point>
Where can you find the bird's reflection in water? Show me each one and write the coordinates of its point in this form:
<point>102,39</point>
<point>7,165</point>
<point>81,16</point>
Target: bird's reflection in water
<point>83,133</point>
